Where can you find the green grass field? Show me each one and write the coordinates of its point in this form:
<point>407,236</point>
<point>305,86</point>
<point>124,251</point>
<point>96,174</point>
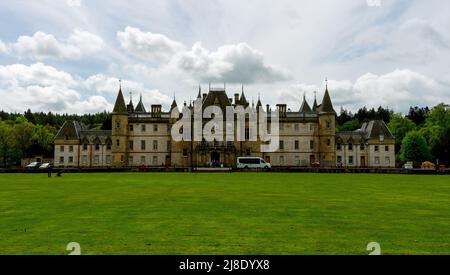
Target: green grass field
<point>230,213</point>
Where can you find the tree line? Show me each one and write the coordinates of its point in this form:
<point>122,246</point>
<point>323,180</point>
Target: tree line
<point>421,135</point>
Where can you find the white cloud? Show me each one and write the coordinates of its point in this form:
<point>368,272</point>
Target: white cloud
<point>104,84</point>
<point>230,63</point>
<point>397,90</point>
<point>237,63</point>
<point>151,47</point>
<point>44,88</point>
<point>73,3</point>
<point>42,46</point>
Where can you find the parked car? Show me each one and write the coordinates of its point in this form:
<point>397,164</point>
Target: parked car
<point>45,166</point>
<point>33,165</point>
<point>252,163</point>
<point>408,166</point>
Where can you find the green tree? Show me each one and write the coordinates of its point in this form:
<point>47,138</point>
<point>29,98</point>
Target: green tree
<point>435,131</point>
<point>22,134</point>
<point>400,126</point>
<point>350,125</point>
<point>5,142</point>
<point>415,148</point>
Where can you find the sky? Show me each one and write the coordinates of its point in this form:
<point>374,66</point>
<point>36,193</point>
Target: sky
<point>67,56</point>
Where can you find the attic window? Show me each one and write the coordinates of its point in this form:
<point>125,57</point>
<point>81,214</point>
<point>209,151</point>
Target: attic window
<point>381,138</point>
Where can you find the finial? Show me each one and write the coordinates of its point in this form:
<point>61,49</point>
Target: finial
<point>326,83</point>
<point>315,94</point>
<point>120,84</point>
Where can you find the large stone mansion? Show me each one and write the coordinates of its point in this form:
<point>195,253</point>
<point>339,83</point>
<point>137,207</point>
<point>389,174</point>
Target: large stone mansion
<point>141,137</point>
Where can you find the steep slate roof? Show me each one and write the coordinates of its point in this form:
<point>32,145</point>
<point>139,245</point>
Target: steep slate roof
<point>174,104</point>
<point>326,106</point>
<point>375,128</point>
<point>369,130</point>
<point>314,108</point>
<point>130,107</point>
<point>140,107</point>
<point>92,136</point>
<point>217,97</point>
<point>70,129</point>
<point>243,101</point>
<point>348,137</point>
<point>305,106</point>
<point>119,106</point>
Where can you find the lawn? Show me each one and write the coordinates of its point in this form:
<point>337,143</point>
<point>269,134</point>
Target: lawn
<point>229,213</point>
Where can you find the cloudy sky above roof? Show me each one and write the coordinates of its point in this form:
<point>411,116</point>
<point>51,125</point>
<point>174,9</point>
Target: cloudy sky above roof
<point>68,55</point>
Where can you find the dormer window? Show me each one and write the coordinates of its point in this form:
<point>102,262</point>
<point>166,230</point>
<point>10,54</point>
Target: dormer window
<point>381,138</point>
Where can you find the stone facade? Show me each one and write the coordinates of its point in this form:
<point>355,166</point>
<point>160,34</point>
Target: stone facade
<point>139,137</point>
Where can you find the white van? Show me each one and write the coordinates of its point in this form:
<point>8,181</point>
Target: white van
<point>252,162</point>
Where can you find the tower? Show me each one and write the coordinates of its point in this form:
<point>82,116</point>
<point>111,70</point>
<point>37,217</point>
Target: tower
<point>327,131</point>
<point>119,131</point>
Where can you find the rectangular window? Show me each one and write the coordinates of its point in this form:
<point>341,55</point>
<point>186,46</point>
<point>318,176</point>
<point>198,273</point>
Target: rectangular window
<point>84,159</point>
<point>281,160</point>
<point>70,159</point>
<point>339,159</point>
<point>143,128</point>
<point>155,161</point>
<point>97,147</point>
<point>131,128</point>
<point>339,147</point>
<point>297,160</point>
<point>296,127</point>
<point>386,148</point>
<point>350,147</point>
<point>350,160</point>
<point>155,127</point>
<point>108,159</point>
<point>184,152</point>
<point>361,147</point>
<point>377,148</point>
<point>96,159</point>
<point>142,144</point>
<point>85,146</point>
<point>311,127</point>
<point>71,148</point>
<point>131,145</point>
<point>169,146</point>
<point>377,160</point>
<point>108,146</point>
<point>328,142</point>
<point>61,159</point>
<point>296,145</point>
<point>281,144</point>
<point>311,144</point>
<point>61,148</point>
<point>381,138</point>
<point>155,145</point>
<point>142,160</point>
<point>387,160</point>
<point>130,160</point>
